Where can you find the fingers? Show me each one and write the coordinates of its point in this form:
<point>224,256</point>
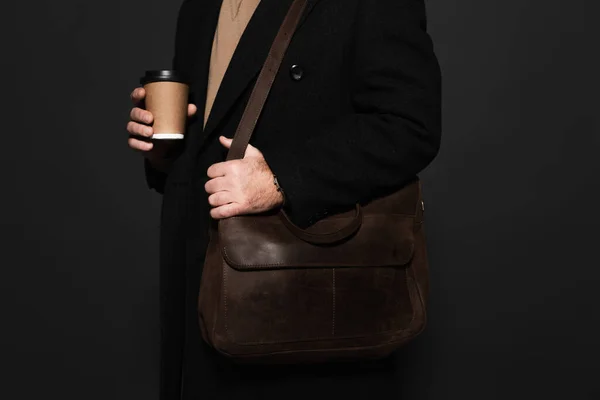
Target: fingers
<point>138,95</point>
<point>216,170</point>
<point>140,115</point>
<point>138,126</point>
<point>220,198</point>
<point>226,211</point>
<point>216,185</point>
<point>223,201</point>
<point>192,110</point>
<point>139,130</point>
<point>223,168</point>
<point>139,145</point>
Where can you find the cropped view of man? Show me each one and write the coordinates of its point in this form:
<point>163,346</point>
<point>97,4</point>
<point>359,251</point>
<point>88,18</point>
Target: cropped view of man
<point>354,114</point>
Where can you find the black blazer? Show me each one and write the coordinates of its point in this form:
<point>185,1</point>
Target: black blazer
<point>354,113</point>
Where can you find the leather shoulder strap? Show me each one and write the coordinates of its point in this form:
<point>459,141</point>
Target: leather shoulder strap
<point>265,80</point>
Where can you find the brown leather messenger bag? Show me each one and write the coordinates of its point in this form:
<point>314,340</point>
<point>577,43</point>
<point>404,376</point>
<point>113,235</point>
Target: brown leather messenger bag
<point>352,286</point>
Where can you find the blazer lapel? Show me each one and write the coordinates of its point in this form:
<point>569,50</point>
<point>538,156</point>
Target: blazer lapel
<point>248,58</point>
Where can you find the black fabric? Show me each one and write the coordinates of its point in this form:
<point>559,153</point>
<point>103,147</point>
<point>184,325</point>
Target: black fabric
<point>362,121</point>
<point>155,179</point>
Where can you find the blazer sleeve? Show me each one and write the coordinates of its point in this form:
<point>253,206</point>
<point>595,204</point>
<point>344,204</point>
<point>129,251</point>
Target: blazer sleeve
<point>155,179</point>
<point>394,131</point>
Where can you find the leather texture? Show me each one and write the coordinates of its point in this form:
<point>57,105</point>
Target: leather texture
<point>354,285</point>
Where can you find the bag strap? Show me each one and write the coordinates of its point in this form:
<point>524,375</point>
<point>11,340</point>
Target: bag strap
<point>252,112</point>
<point>264,82</point>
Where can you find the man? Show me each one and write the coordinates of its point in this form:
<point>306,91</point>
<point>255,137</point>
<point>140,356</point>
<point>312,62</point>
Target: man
<point>354,113</point>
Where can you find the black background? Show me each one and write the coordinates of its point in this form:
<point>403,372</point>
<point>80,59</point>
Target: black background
<point>511,202</point>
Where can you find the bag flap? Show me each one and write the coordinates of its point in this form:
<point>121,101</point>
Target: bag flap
<point>263,242</point>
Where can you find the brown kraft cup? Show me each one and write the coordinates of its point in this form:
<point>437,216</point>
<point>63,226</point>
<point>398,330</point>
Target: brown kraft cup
<point>167,99</point>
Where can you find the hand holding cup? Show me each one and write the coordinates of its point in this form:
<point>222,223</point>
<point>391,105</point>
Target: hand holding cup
<point>140,125</point>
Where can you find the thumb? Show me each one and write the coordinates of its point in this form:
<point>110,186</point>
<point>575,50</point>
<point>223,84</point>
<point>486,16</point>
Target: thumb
<point>226,142</point>
<point>192,110</point>
<point>251,151</point>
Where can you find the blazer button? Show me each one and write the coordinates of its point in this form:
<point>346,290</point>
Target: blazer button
<point>296,72</point>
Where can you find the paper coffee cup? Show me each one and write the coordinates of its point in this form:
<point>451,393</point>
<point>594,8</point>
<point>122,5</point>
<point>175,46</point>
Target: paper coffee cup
<point>167,99</point>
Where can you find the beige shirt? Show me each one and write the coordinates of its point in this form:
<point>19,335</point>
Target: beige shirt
<point>233,19</point>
